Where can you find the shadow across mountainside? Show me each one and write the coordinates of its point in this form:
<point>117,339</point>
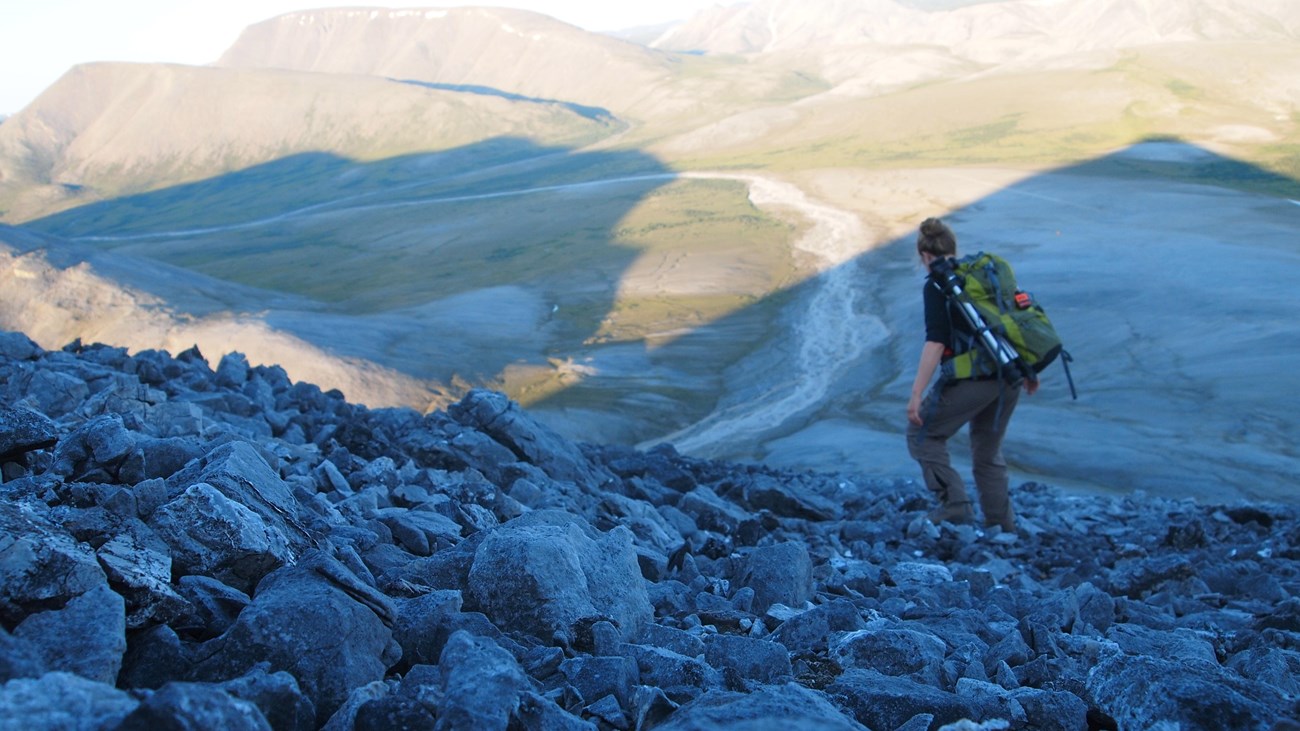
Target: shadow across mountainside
<point>594,113</point>
<point>1166,285</point>
<point>1169,288</point>
<point>446,266</point>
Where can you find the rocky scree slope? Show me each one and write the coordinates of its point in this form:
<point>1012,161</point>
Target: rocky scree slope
<point>185,547</point>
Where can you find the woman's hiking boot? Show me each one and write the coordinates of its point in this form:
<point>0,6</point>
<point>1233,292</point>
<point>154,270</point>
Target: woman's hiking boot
<point>956,513</point>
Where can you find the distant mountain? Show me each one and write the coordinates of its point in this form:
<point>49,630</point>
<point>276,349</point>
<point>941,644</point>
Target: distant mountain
<point>994,31</point>
<point>510,50</point>
<point>111,128</point>
<point>644,34</point>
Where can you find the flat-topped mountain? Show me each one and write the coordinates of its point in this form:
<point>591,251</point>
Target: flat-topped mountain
<point>511,50</point>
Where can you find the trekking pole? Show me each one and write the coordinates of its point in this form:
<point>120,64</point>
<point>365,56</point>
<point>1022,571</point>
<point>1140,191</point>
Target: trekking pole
<point>1010,365</point>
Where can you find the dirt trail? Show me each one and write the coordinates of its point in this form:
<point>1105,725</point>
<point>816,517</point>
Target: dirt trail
<point>829,334</point>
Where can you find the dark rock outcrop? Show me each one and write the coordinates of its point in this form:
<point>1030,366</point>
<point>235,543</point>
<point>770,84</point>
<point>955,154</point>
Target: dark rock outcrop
<point>183,547</point>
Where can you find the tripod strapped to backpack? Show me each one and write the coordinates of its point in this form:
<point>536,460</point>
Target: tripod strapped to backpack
<point>1013,337</point>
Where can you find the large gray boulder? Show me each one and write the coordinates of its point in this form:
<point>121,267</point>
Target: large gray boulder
<point>307,625</point>
<point>18,347</point>
<point>529,440</point>
<point>159,457</point>
<point>811,631</point>
<point>19,658</point>
<point>759,660</point>
<point>212,535</point>
<point>779,574</point>
<point>479,682</point>
<point>419,531</point>
<point>94,449</point>
<point>213,606</point>
<point>597,677</point>
<point>55,393</point>
<point>23,430</point>
<point>545,580</point>
<point>424,623</point>
<point>680,677</point>
<point>345,718</point>
<point>1052,710</point>
<point>142,574</point>
<point>885,702</point>
<point>277,696</point>
<point>41,565</point>
<point>764,492</point>
<point>539,712</point>
<point>61,701</point>
<point>194,706</point>
<point>86,637</point>
<point>788,707</point>
<point>238,471</point>
<point>894,651</point>
<point>1151,692</point>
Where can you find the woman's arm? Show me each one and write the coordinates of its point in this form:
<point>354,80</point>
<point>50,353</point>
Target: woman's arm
<point>931,354</point>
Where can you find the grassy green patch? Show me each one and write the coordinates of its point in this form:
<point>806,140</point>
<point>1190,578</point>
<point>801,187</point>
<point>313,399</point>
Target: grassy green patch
<point>575,244</point>
<point>1284,161</point>
<point>795,85</point>
<point>986,134</point>
<point>1182,89</point>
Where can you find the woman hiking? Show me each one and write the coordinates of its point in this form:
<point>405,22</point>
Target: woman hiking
<point>985,403</point>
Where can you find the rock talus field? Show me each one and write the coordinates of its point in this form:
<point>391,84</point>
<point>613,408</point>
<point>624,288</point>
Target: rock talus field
<point>227,548</point>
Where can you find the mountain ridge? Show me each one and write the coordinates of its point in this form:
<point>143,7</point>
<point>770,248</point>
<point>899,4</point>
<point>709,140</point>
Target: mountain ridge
<point>989,32</point>
<point>98,127</point>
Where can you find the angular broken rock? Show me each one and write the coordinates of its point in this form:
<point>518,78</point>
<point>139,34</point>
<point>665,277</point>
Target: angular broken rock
<point>62,700</point>
<point>242,474</point>
<point>789,706</point>
<point>87,636</point>
<point>545,580</point>
<point>480,683</point>
<point>1148,692</point>
<point>212,535</point>
<point>779,574</point>
<point>500,418</point>
<point>143,577</point>
<point>897,652</point>
<point>41,565</point>
<point>23,430</point>
<point>304,624</point>
<point>194,705</point>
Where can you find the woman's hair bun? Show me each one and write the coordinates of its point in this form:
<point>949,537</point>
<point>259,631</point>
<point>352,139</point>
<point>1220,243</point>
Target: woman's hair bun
<point>933,227</point>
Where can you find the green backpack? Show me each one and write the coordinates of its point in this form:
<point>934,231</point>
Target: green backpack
<point>1014,338</point>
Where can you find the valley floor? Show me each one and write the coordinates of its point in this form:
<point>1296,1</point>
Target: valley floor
<point>1166,293</point>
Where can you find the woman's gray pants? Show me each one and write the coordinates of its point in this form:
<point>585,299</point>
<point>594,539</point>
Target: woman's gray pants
<point>987,407</point>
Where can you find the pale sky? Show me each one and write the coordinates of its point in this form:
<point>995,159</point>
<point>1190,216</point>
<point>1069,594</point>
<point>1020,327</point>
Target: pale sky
<point>42,39</point>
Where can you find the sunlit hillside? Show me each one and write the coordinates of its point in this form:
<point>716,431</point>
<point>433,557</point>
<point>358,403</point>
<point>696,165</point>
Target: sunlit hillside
<point>108,130</point>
